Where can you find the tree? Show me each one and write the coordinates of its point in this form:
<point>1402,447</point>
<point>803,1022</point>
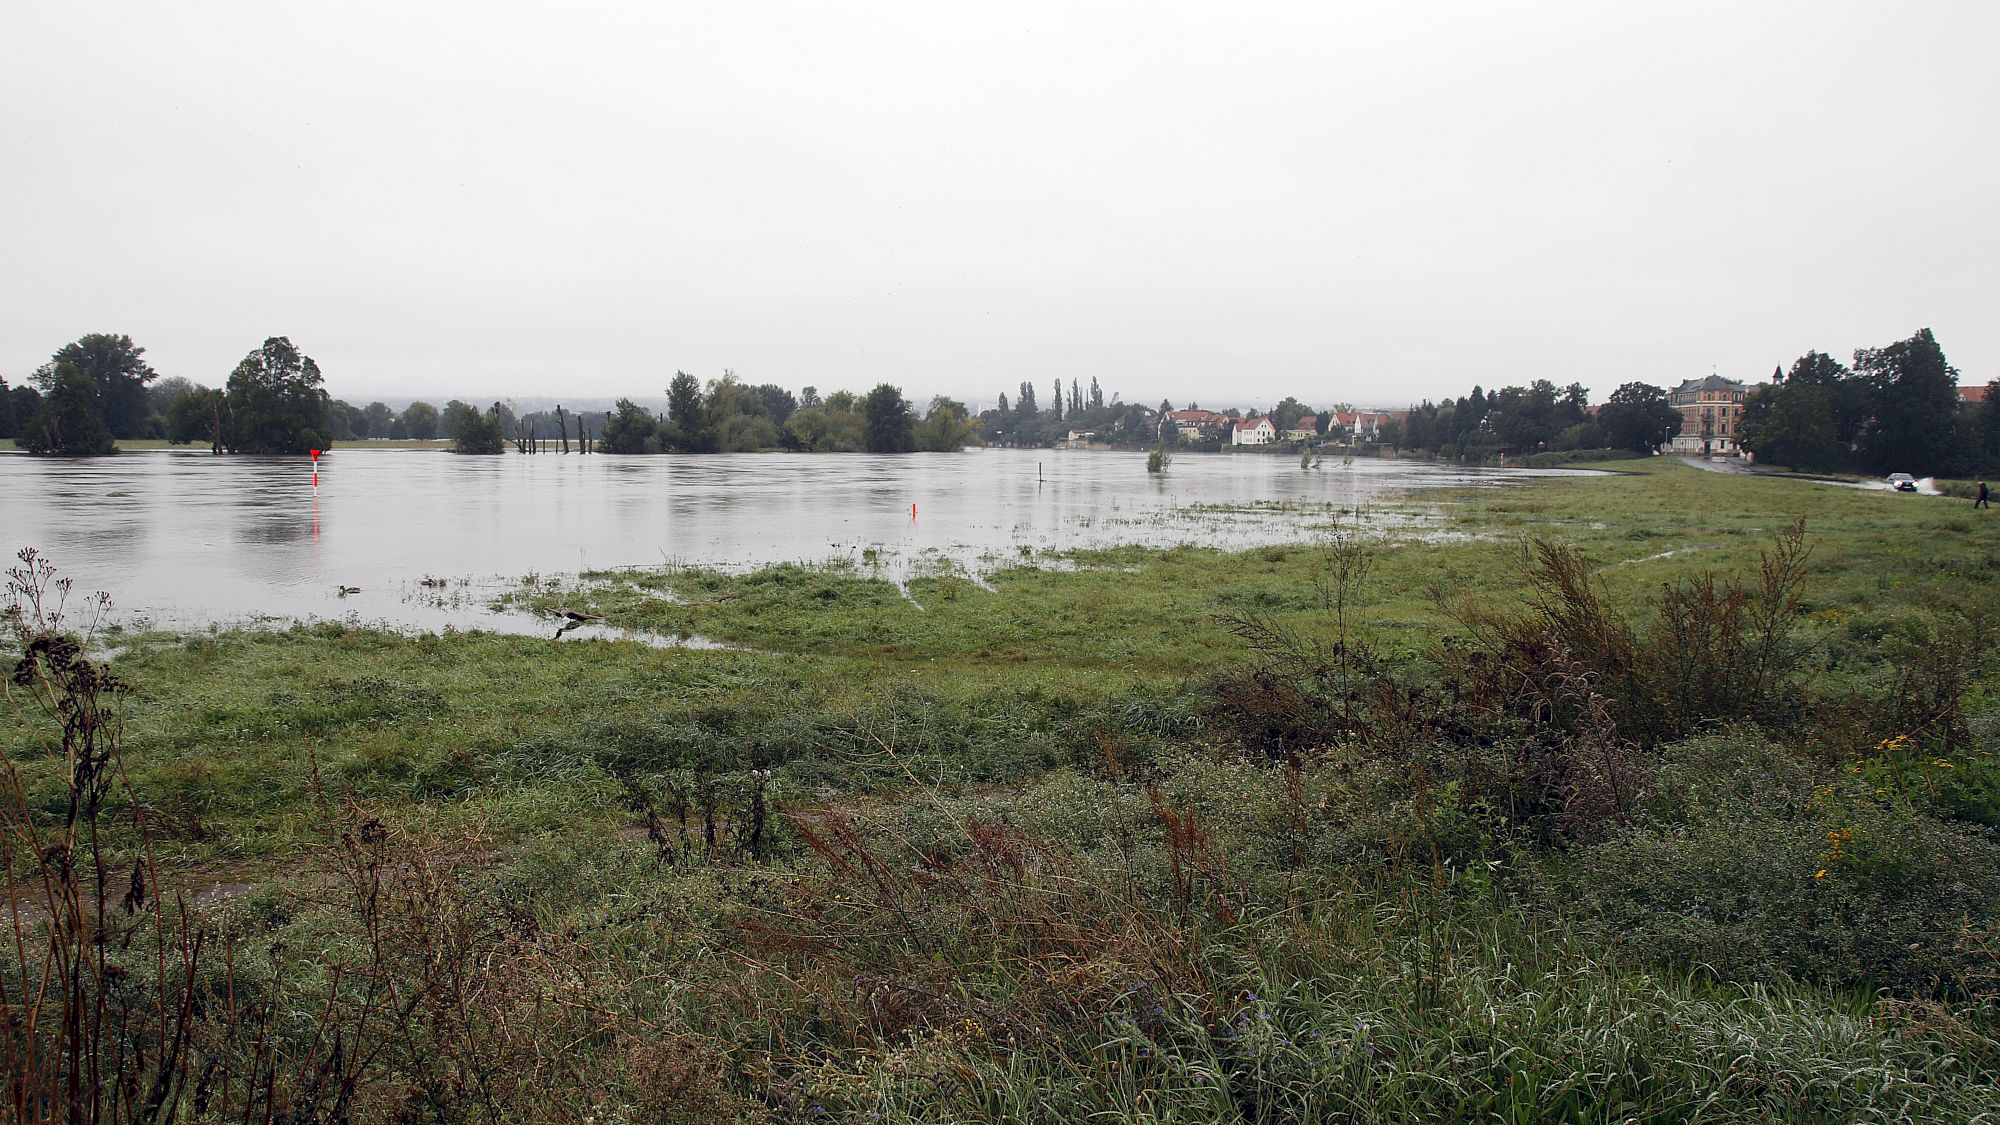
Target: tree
<point>1793,425</point>
<point>6,410</point>
<point>736,417</point>
<point>747,433</point>
<point>629,430</point>
<point>337,425</point>
<point>833,425</point>
<point>1916,405</point>
<point>1056,403</point>
<point>420,421</point>
<point>118,372</point>
<point>476,433</point>
<point>687,416</point>
<point>1848,399</point>
<point>777,402</point>
<point>1096,394</point>
<point>947,428</point>
<point>1639,418</point>
<point>381,419</point>
<point>890,429</point>
<point>808,396</point>
<point>1286,414</point>
<point>67,424</point>
<point>454,415</point>
<point>198,415</point>
<point>161,395</point>
<point>1585,435</point>
<point>277,401</point>
<point>1986,421</point>
<point>352,417</point>
<point>27,402</point>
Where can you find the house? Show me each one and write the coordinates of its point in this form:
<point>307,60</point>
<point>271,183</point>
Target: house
<point>1305,429</point>
<point>1253,431</point>
<point>1711,416</point>
<point>1972,396</point>
<point>1192,422</point>
<point>1362,425</point>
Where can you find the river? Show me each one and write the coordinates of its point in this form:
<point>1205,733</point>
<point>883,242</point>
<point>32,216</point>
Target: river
<point>423,540</point>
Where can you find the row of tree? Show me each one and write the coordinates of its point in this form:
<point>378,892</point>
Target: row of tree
<point>1897,409</point>
<point>100,389</point>
<point>1536,418</point>
<point>1022,420</point>
<point>727,416</point>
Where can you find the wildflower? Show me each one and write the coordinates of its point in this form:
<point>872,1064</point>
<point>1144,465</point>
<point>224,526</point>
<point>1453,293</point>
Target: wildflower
<point>1820,875</point>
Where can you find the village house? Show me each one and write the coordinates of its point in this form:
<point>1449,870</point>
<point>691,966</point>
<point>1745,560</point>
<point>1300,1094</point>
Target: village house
<point>1191,423</point>
<point>1711,414</point>
<point>1361,425</point>
<point>1254,431</point>
<point>1305,429</point>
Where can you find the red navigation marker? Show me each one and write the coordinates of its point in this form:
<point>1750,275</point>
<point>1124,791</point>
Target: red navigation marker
<point>315,454</point>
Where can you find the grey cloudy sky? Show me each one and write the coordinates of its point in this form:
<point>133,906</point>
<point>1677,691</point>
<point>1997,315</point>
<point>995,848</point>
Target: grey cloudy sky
<point>1229,202</point>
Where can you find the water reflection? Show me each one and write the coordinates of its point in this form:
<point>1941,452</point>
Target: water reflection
<point>183,539</point>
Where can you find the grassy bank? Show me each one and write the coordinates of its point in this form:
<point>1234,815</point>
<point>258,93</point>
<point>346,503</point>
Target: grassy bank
<point>1600,799</point>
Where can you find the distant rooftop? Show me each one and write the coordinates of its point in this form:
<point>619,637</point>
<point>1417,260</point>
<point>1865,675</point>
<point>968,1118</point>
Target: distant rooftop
<point>1711,383</point>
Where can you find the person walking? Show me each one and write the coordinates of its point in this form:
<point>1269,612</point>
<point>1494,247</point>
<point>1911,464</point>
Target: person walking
<point>1981,502</point>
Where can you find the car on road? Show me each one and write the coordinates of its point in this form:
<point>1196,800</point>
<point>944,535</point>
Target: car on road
<point>1902,482</point>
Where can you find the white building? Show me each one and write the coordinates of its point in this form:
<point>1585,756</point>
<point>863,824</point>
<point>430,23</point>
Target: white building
<point>1254,431</point>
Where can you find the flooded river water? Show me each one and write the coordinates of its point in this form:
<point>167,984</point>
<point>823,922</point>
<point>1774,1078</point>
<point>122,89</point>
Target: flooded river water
<point>423,539</point>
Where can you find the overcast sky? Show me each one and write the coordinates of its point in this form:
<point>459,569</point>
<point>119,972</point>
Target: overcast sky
<point>1225,202</point>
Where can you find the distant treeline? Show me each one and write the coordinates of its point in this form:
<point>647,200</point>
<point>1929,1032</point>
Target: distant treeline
<point>1536,418</point>
<point>100,389</point>
<point>1024,421</point>
<point>1897,409</point>
<point>727,416</point>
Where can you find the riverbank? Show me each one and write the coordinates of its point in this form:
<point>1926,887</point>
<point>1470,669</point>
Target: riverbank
<point>1355,829</point>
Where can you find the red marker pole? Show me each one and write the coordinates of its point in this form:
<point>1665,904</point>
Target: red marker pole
<point>315,456</point>
<point>913,511</point>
